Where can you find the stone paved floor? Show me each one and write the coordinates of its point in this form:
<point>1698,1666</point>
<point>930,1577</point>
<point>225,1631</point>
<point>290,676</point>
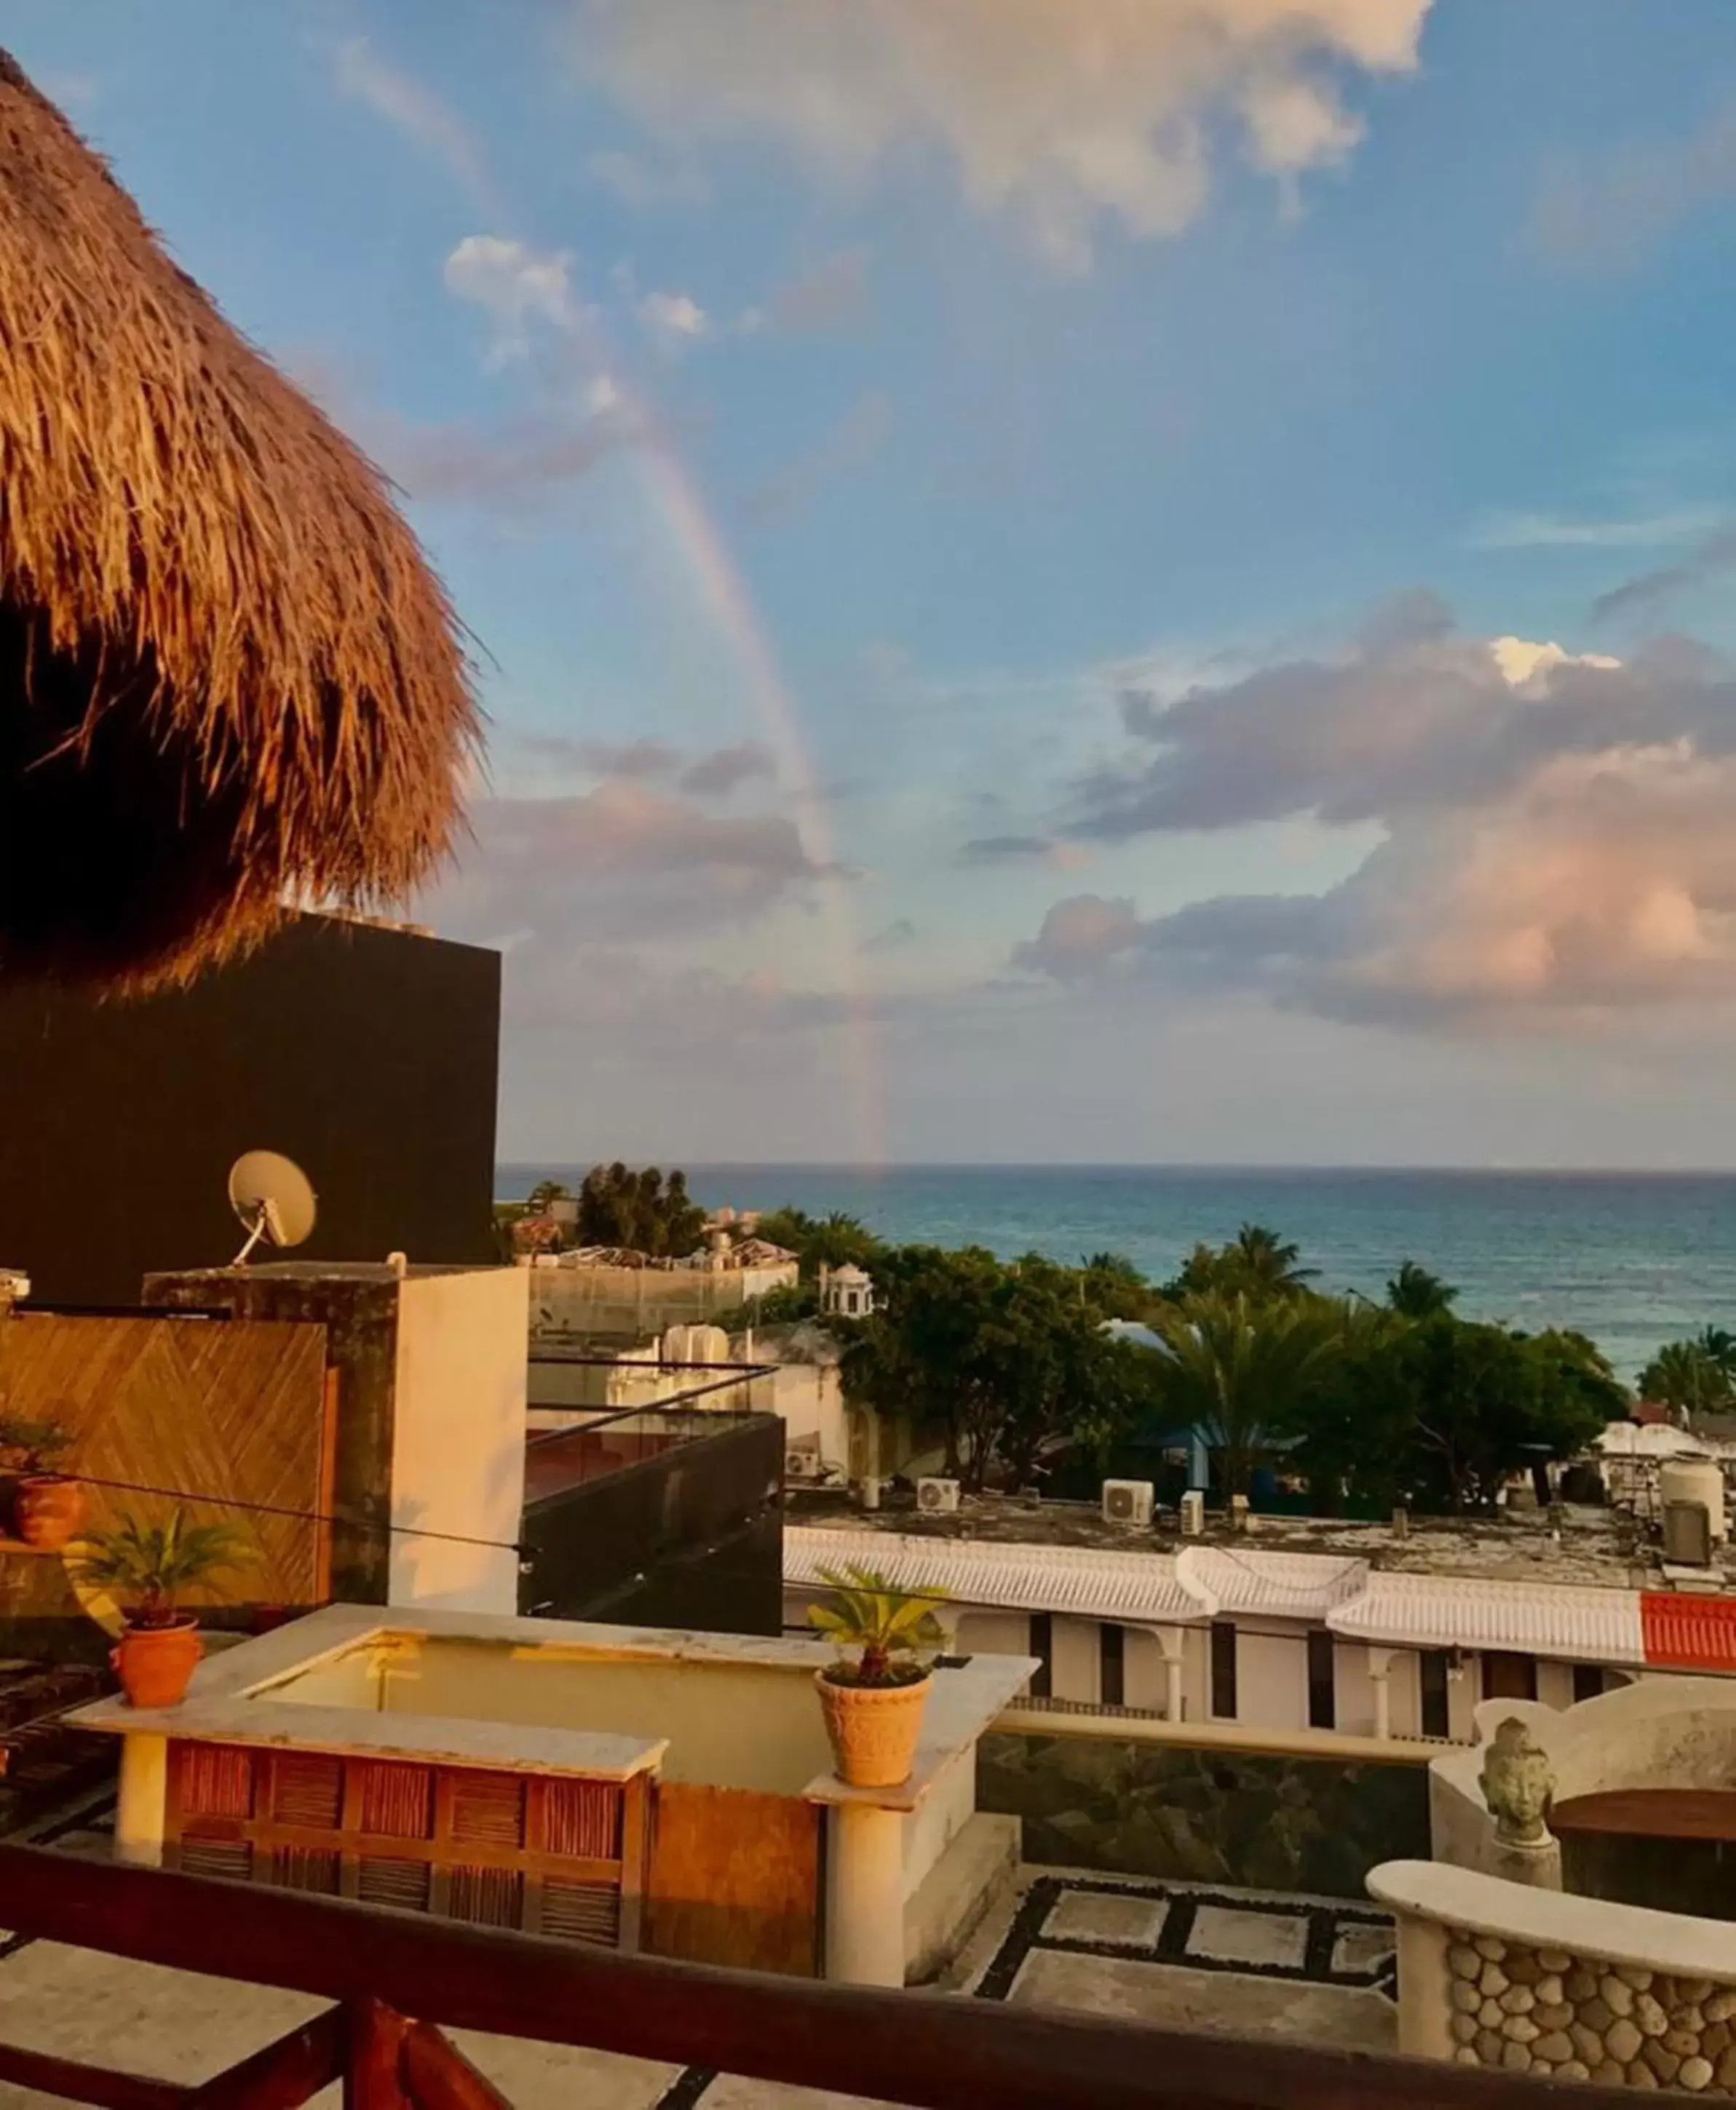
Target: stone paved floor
<point>1177,1955</point>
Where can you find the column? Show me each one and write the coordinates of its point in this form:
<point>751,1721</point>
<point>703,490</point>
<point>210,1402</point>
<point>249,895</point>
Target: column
<point>144,1795</point>
<point>865,1896</point>
<point>1380,1671</point>
<point>1171,1641</point>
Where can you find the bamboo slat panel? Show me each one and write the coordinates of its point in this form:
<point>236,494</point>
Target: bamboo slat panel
<point>216,1410</point>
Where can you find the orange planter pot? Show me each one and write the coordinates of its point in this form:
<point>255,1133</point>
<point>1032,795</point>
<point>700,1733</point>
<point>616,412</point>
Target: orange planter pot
<point>157,1663</point>
<point>873,1729</point>
<point>47,1511</point>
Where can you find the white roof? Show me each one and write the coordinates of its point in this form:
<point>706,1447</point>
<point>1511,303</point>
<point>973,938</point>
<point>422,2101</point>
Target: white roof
<point>1566,1621</point>
<point>1294,1585</point>
<point>1462,1611</point>
<point>1651,1439</point>
<point>1105,1585</point>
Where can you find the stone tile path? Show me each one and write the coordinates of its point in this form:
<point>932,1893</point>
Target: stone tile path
<point>1176,1955</point>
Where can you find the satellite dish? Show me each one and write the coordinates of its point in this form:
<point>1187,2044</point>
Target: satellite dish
<point>273,1199</point>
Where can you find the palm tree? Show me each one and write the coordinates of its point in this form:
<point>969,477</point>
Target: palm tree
<point>1684,1376</point>
<point>1414,1292</point>
<point>1235,1369</point>
<point>1719,1349</point>
<point>1269,1262</point>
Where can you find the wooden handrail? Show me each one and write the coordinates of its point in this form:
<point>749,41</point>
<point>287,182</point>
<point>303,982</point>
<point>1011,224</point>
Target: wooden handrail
<point>930,2051</point>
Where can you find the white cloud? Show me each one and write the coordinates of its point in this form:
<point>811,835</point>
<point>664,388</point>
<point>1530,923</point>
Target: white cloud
<point>410,106</point>
<point>1556,845</point>
<point>513,284</point>
<point>674,317</point>
<point>1556,531</point>
<point>1063,112</point>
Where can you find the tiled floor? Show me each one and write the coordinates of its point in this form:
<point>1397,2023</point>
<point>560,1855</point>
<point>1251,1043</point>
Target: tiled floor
<point>1176,1955</point>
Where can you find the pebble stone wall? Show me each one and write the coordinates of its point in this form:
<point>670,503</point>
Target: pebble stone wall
<point>1569,2017</point>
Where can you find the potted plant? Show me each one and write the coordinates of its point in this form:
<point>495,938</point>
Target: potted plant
<point>872,1698</point>
<point>148,1566</point>
<point>47,1506</point>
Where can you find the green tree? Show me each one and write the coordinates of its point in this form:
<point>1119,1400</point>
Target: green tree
<point>1684,1375</point>
<point>1006,1363</point>
<point>1350,1431</point>
<point>786,1305</point>
<point>1256,1263</point>
<point>1414,1293</point>
<point>1719,1348</point>
<point>1574,1368</point>
<point>1484,1402</point>
<point>641,1211</point>
<point>1238,1371</point>
<point>545,1192</point>
<point>1114,1286</point>
<point>832,1240</point>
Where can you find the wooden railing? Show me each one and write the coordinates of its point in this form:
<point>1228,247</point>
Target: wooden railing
<point>930,2051</point>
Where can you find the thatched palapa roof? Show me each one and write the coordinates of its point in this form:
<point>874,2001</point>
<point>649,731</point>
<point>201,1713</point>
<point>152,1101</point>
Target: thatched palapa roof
<point>228,677</point>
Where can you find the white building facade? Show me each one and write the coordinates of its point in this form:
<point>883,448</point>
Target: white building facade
<point>1270,1640</point>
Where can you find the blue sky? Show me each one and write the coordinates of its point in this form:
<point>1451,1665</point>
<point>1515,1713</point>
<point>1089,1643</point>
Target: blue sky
<point>986,522</point>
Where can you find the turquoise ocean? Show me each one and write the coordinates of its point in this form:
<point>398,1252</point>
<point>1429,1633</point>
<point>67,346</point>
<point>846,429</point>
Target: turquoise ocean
<point>1633,1260</point>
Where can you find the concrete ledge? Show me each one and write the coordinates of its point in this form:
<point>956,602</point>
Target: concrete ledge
<point>958,1894</point>
<point>1461,1898</point>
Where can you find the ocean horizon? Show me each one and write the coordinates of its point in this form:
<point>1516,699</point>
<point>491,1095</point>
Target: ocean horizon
<point>1632,1258</point>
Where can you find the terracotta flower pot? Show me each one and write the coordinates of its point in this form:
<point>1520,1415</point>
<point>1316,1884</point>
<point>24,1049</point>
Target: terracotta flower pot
<point>48,1511</point>
<point>873,1728</point>
<point>157,1663</point>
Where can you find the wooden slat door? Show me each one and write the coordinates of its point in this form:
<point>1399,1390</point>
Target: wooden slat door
<point>735,1878</point>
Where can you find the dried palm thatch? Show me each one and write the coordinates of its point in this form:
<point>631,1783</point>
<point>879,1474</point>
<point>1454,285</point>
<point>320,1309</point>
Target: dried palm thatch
<point>229,681</point>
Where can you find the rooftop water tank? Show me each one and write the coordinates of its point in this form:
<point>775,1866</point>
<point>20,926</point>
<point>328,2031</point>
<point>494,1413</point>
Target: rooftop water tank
<point>1696,1480</point>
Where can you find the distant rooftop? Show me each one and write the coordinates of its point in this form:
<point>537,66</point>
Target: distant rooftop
<point>1593,1548</point>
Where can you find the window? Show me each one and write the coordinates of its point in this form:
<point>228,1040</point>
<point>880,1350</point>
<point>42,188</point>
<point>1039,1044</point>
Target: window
<point>1432,1668</point>
<point>1322,1685</point>
<point>1043,1648</point>
<point>1587,1680</point>
<point>1223,1670</point>
<point>1509,1676</point>
<point>1111,1664</point>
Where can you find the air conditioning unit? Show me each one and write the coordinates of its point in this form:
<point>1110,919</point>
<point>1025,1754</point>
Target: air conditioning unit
<point>938,1498</point>
<point>1127,1501</point>
<point>1193,1513</point>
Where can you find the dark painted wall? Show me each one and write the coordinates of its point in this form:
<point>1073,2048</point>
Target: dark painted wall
<point>690,1537</point>
<point>1271,1822</point>
<point>367,1055</point>
<point>1696,1875</point>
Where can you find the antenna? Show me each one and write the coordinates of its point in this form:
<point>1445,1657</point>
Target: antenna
<point>273,1199</point>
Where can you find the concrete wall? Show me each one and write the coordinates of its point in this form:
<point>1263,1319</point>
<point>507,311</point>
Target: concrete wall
<point>729,1724</point>
<point>949,1805</point>
<point>355,1678</point>
<point>809,1399</point>
<point>1272,1676</point>
<point>458,1439</point>
<point>1277,1821</point>
<point>1075,1656</point>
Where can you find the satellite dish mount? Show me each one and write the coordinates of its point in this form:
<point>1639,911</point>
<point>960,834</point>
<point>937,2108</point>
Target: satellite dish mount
<point>273,1200</point>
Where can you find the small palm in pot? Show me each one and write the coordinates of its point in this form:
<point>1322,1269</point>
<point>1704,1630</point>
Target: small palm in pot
<point>872,1697</point>
<point>147,1566</point>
